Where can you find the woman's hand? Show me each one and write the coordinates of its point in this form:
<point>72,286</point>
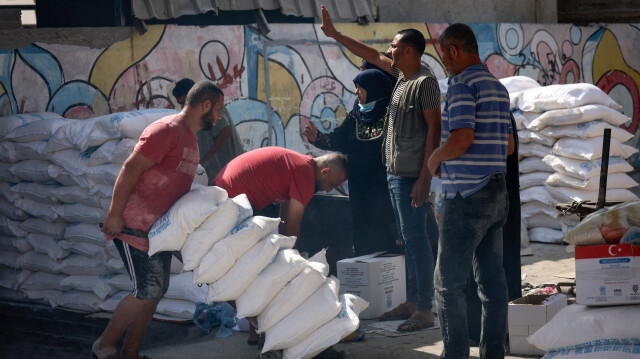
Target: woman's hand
<point>310,131</point>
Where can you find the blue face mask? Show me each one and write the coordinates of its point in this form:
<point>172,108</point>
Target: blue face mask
<point>367,106</point>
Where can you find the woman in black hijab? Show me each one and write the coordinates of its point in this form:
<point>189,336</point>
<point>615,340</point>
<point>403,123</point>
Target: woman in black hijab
<point>360,138</point>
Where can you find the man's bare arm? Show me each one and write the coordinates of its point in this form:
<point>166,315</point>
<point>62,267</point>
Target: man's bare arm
<point>456,145</point>
<point>357,47</point>
<point>420,191</point>
<point>132,170</point>
<point>291,213</point>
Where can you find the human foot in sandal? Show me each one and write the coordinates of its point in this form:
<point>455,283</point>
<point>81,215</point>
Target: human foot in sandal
<point>100,352</point>
<point>401,312</point>
<point>419,320</point>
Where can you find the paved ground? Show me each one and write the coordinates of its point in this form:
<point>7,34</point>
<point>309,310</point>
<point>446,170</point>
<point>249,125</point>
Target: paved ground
<point>30,331</point>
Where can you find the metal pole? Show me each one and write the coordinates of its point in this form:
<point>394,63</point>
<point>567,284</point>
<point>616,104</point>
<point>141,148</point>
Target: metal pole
<point>604,169</point>
<point>265,53</point>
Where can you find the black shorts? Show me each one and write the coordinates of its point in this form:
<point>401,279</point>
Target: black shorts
<point>150,275</point>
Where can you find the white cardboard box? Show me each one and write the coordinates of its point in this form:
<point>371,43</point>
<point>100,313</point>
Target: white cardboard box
<point>608,274</point>
<point>378,279</point>
<point>528,314</point>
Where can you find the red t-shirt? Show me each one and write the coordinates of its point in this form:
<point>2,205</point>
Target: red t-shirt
<point>269,175</point>
<point>174,148</point>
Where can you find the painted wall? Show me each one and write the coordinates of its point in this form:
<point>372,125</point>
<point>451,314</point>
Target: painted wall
<point>309,75</point>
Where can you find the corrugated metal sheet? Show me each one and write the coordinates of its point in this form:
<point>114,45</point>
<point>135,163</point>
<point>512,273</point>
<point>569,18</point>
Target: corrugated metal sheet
<point>169,9</point>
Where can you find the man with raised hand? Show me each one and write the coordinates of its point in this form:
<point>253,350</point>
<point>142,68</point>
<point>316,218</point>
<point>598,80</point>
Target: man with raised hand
<point>411,132</point>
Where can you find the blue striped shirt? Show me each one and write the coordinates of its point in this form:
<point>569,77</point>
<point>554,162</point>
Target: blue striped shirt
<point>476,100</point>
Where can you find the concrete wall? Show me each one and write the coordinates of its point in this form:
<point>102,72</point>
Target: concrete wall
<point>82,73</point>
<point>522,11</point>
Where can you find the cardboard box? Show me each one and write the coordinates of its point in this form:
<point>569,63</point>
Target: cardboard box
<point>377,278</point>
<point>608,274</point>
<point>527,315</point>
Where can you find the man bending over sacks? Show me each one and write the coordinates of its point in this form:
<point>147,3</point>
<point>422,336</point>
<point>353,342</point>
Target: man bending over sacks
<point>278,175</point>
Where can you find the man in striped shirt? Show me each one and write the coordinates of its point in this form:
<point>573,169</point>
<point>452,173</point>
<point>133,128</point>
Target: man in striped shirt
<point>471,160</point>
<point>412,132</point>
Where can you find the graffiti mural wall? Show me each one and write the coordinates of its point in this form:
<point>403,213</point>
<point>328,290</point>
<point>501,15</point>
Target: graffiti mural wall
<point>309,76</point>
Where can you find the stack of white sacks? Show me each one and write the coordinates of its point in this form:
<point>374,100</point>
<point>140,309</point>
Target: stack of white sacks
<point>240,258</point>
<point>56,182</point>
<point>561,129</point>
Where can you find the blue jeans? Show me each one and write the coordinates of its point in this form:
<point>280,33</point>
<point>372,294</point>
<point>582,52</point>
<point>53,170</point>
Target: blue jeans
<point>412,224</point>
<point>471,237</point>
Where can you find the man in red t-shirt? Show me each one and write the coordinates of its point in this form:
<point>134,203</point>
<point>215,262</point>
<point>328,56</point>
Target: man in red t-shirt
<point>159,171</point>
<point>279,175</point>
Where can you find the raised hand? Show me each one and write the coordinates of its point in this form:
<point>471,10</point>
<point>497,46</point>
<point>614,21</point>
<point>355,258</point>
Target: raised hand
<point>310,131</point>
<point>327,25</point>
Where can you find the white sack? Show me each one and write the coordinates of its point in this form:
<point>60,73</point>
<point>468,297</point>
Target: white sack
<point>111,304</point>
<point>8,209</point>
<point>213,229</point>
<point>246,269</point>
<point>298,290</point>
<point>46,296</point>
<point>526,136</point>
<point>546,98</point>
<point>36,130</point>
<point>181,287</point>
<point>84,248</point>
<point>573,116</point>
<point>82,301</point>
<point>5,175</point>
<point>11,228</point>
<point>533,150</point>
<point>79,264</point>
<point>518,83</point>
<point>84,232</point>
<point>590,149</point>
<point>12,152</point>
<point>532,208</point>
<point>13,244</point>
<point>224,253</point>
<point>123,282</point>
<point>47,245</point>
<point>545,235</point>
<point>176,308</point>
<point>44,211</point>
<point>577,325</point>
<point>35,225</point>
<point>32,170</point>
<point>286,266</point>
<point>103,174</point>
<point>43,281</point>
<point>36,191</point>
<point>12,278</point>
<point>170,231</point>
<point>113,151</point>
<point>543,220</point>
<point>67,178</point>
<point>533,164</point>
<point>99,285</point>
<point>75,194</point>
<point>614,180</point>
<point>39,262</point>
<point>537,193</point>
<point>533,179</point>
<point>80,213</point>
<point>345,323</point>
<point>317,310</point>
<point>11,122</point>
<point>588,130</point>
<point>584,169</point>
<point>566,194</point>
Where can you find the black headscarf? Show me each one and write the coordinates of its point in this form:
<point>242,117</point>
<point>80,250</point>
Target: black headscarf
<point>378,87</point>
